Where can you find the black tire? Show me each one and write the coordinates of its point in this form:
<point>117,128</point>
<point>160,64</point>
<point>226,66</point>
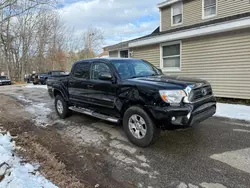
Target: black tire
<point>152,132</point>
<point>65,108</point>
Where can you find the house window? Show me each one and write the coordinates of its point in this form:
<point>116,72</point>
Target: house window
<point>176,12</point>
<point>209,8</point>
<point>124,54</point>
<point>171,56</point>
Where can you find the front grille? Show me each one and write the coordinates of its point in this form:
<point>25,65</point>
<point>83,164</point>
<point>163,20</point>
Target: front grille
<point>198,93</point>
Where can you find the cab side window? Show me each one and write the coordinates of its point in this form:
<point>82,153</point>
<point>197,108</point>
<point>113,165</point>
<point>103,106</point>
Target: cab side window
<point>97,69</point>
<point>82,70</point>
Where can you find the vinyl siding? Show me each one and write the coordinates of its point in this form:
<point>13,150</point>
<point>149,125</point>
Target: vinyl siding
<point>192,12</point>
<point>165,19</point>
<point>113,53</point>
<point>223,60</point>
<point>148,53</point>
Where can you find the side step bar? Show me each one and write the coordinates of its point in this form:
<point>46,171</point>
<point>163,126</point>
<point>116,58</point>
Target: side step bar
<point>94,114</point>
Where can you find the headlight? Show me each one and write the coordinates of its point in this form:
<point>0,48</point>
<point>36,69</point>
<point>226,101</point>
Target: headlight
<point>172,96</point>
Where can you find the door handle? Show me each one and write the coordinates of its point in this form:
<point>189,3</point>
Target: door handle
<point>90,86</point>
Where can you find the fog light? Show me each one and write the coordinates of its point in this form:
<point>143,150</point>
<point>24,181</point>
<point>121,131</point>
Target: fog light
<point>189,115</point>
<point>173,119</point>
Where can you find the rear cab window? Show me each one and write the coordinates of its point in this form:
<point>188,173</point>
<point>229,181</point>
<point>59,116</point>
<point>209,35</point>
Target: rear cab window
<point>81,70</point>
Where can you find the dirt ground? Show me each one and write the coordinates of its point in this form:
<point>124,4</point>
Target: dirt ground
<point>62,162</point>
<point>82,151</point>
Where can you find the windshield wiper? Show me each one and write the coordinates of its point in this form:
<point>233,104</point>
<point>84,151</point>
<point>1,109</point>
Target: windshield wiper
<point>154,74</point>
<point>135,77</point>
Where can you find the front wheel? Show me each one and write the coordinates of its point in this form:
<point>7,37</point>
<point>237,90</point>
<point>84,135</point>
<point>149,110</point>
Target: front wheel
<point>139,127</point>
<point>61,106</point>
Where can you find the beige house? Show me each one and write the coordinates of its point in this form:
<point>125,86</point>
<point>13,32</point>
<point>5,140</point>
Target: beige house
<point>208,39</point>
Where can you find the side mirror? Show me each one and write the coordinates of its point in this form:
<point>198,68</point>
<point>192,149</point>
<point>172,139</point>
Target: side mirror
<point>105,76</point>
<point>159,70</point>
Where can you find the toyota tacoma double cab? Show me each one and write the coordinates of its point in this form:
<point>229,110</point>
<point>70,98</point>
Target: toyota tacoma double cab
<point>135,93</point>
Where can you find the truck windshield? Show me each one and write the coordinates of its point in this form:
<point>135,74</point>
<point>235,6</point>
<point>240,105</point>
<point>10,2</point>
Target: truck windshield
<point>133,68</point>
<point>3,77</point>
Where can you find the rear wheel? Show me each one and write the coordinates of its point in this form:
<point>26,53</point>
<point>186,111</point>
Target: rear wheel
<point>62,108</point>
<point>139,127</point>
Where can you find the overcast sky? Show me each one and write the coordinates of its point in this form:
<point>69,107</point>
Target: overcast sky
<point>119,20</point>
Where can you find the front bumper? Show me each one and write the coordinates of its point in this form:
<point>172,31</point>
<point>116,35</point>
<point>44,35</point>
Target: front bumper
<point>36,81</point>
<point>5,83</point>
<point>184,115</point>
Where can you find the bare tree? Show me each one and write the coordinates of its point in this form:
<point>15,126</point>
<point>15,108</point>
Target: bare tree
<point>16,32</point>
<point>92,40</point>
<point>34,38</point>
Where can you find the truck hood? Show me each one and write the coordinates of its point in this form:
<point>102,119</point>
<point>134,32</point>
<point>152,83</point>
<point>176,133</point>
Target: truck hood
<point>172,82</point>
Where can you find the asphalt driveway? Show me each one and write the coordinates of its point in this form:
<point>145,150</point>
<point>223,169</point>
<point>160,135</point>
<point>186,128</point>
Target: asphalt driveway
<point>214,154</point>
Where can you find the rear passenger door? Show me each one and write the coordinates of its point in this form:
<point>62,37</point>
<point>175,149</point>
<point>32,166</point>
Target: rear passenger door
<point>78,84</point>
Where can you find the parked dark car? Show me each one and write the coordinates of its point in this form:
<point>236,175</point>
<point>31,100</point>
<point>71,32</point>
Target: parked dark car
<point>30,78</point>
<point>4,80</point>
<point>134,92</point>
<point>41,78</point>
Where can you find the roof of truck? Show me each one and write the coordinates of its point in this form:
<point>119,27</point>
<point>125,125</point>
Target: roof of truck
<point>109,58</point>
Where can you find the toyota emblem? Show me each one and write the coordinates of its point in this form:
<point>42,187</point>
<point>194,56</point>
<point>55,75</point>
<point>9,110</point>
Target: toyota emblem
<point>204,92</point>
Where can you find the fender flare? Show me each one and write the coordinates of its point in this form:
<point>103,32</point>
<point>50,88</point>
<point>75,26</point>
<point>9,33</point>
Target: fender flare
<point>61,90</point>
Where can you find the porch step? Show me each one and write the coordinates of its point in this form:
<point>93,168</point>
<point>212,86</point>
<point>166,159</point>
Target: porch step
<point>94,114</point>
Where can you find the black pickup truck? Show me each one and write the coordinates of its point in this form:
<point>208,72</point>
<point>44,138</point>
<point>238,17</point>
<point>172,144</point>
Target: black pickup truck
<point>43,77</point>
<point>134,92</point>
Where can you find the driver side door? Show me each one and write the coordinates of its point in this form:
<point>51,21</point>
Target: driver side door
<point>103,91</point>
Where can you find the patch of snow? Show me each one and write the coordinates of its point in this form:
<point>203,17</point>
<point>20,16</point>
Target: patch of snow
<point>233,111</point>
<point>121,157</point>
<point>32,86</point>
<point>212,185</point>
<point>192,186</point>
<point>16,174</point>
<point>140,171</point>
<point>145,165</point>
<point>151,175</point>
<point>239,159</point>
<point>241,130</point>
<point>22,98</point>
<point>139,185</point>
<point>182,185</point>
<point>141,158</point>
<point>116,144</point>
<point>41,112</point>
